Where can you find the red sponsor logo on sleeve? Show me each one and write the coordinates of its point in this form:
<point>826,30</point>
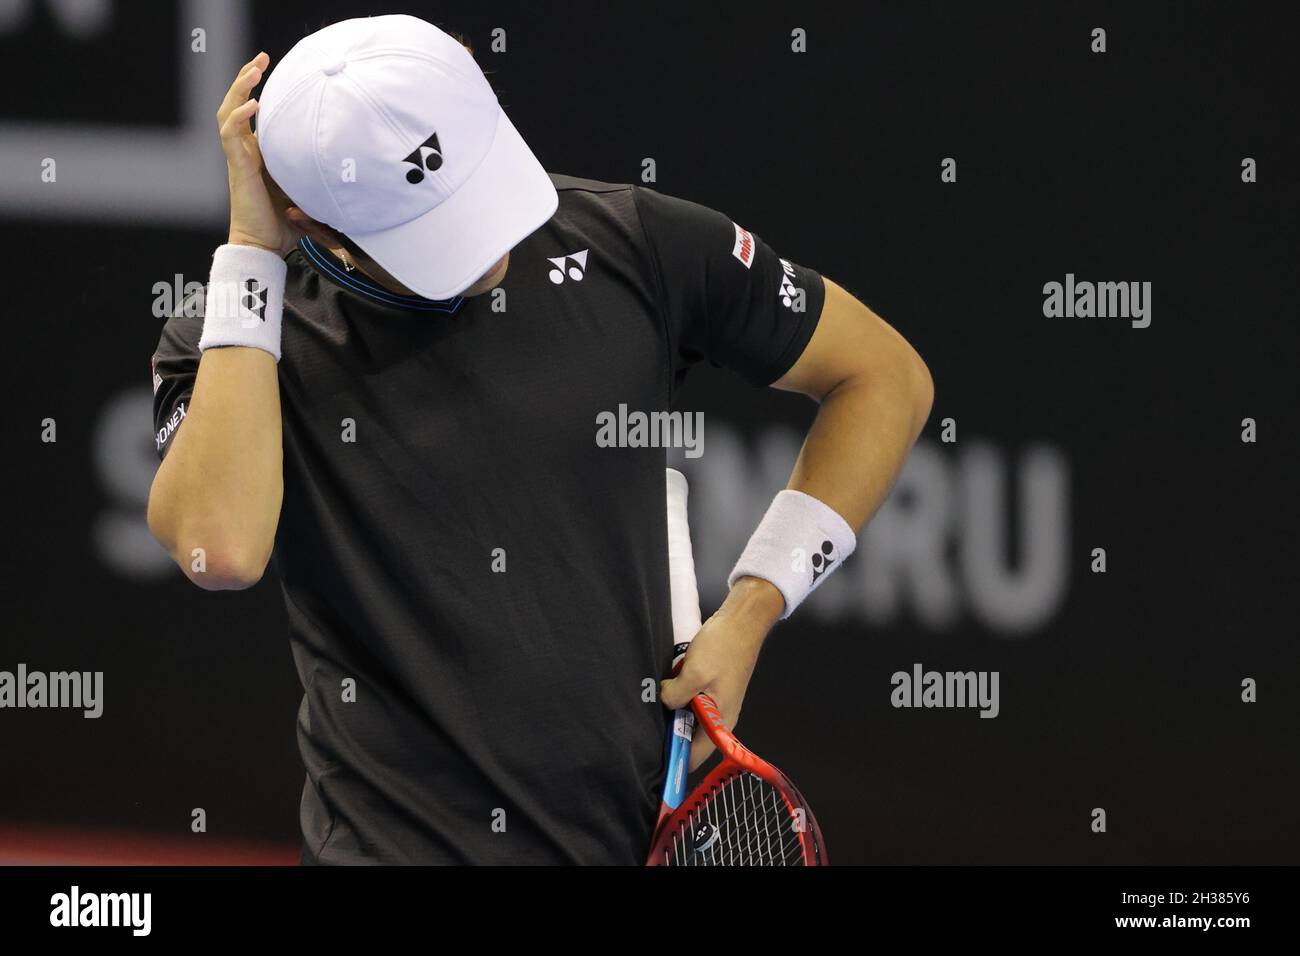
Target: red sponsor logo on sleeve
<point>744,246</point>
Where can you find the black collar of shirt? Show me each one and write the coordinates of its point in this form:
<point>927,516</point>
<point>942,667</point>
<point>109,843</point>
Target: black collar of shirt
<point>358,284</point>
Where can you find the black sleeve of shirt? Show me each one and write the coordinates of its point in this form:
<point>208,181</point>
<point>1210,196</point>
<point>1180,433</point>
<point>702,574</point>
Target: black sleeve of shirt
<point>730,298</point>
<point>175,366</point>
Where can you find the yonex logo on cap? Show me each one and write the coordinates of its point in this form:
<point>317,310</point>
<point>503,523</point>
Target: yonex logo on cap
<point>428,155</point>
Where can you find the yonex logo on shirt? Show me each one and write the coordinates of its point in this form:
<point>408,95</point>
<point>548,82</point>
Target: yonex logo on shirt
<point>791,296</point>
<point>169,426</point>
<point>575,271</point>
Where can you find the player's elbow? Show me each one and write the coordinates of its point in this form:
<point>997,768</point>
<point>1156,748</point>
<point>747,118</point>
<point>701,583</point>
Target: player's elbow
<point>921,388</point>
<point>229,569</point>
<point>899,371</point>
<point>211,557</point>
<point>211,550</point>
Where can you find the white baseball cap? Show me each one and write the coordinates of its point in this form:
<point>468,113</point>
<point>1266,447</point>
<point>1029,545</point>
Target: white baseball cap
<point>386,129</point>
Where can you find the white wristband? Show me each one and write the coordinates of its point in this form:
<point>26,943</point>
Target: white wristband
<point>244,300</point>
<point>797,544</point>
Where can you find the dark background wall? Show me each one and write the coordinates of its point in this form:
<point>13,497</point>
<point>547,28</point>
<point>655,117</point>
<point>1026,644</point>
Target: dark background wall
<point>1119,690</point>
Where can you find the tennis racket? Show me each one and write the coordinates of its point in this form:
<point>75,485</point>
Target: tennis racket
<point>746,812</point>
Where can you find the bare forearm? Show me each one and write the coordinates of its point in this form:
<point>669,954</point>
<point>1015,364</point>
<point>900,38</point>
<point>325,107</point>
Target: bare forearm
<point>220,487</point>
<point>861,436</point>
<point>850,460</point>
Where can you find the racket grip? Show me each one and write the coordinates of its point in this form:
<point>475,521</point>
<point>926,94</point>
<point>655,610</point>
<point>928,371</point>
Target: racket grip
<point>679,757</point>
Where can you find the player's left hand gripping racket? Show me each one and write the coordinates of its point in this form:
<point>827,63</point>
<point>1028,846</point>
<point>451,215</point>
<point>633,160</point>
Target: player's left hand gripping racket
<point>746,812</point>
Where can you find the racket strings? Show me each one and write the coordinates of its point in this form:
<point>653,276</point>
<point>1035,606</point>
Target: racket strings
<point>743,821</point>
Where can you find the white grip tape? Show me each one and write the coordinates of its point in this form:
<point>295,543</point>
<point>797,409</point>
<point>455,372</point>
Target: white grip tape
<point>681,562</point>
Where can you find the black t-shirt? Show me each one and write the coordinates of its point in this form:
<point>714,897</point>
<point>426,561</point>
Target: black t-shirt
<point>454,542</point>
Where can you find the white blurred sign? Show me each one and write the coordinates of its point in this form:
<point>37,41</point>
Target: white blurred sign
<point>130,174</point>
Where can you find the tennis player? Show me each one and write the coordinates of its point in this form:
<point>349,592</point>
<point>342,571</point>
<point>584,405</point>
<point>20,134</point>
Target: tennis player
<point>393,382</point>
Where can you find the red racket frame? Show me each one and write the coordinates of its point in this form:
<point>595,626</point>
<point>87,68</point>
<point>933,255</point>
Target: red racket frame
<point>736,759</point>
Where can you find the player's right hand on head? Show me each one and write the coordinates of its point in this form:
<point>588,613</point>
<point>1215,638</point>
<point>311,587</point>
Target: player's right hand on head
<point>256,208</point>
